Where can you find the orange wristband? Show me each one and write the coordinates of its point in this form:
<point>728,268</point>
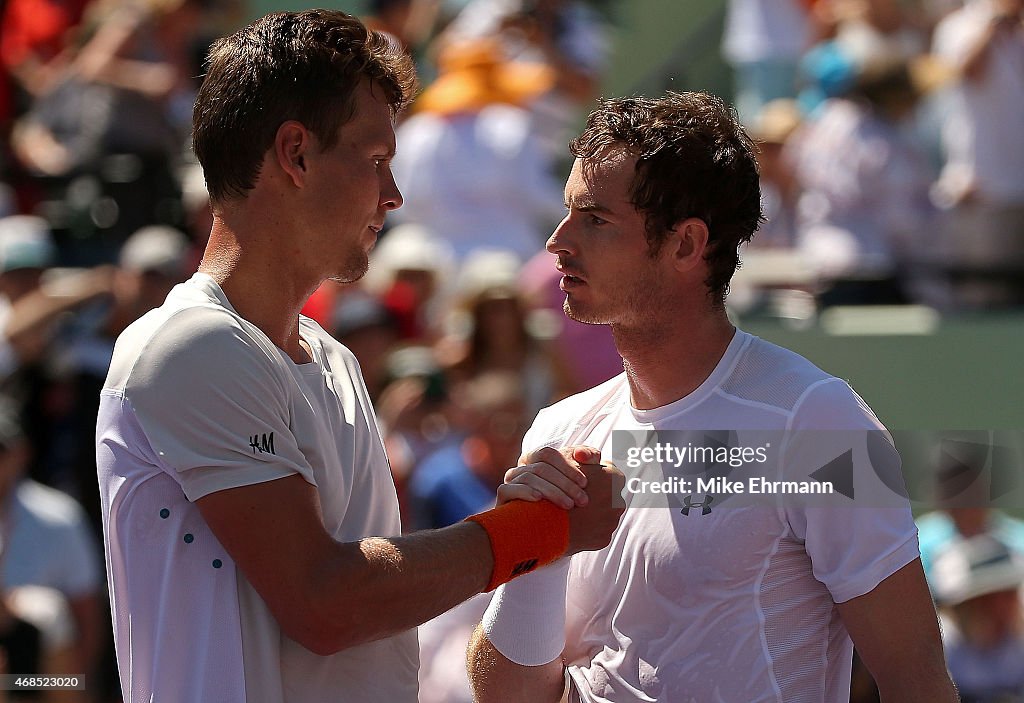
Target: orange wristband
<point>524,536</point>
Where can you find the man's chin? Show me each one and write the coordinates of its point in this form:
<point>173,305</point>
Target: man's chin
<point>354,271</point>
<point>580,314</point>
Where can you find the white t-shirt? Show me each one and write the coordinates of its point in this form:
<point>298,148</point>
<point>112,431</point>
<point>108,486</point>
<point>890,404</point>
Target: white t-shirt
<point>47,542</point>
<point>199,400</point>
<point>764,30</point>
<point>736,604</point>
<point>478,181</point>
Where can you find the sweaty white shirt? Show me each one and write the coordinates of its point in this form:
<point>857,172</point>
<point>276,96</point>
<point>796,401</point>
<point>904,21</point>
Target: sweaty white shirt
<point>199,400</point>
<point>735,604</point>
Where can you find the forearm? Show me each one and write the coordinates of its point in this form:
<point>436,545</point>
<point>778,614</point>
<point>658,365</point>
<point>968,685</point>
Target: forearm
<point>495,679</point>
<point>920,678</point>
<point>378,587</point>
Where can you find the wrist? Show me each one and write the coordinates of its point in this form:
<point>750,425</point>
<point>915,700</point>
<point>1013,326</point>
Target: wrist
<point>525,620</point>
<point>524,536</point>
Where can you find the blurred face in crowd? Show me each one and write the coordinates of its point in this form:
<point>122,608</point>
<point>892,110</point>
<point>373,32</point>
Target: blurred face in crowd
<point>610,273</point>
<point>18,283</point>
<point>496,442</point>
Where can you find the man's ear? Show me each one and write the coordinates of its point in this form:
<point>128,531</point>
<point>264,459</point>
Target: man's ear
<point>689,240</point>
<point>291,145</point>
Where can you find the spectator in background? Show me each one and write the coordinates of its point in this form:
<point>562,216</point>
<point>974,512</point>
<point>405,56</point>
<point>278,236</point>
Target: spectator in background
<point>460,478</point>
<point>763,42</point>
<point>964,505</point>
<point>771,128</point>
<point>34,34</point>
<point>567,36</point>
<point>47,542</point>
<point>27,308</point>
<point>469,161</point>
<point>415,413</point>
<point>410,269</point>
<point>984,145</point>
<point>881,29</point>
<point>30,311</point>
<point>864,201</point>
<point>491,332</point>
<point>370,331</point>
<point>407,23</point>
<point>106,133</point>
<point>977,581</point>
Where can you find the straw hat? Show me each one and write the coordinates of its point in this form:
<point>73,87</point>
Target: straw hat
<point>473,75</point>
<point>776,121</point>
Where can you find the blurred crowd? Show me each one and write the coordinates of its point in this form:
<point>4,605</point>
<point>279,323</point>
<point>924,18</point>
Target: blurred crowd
<point>893,165</point>
<point>892,173</point>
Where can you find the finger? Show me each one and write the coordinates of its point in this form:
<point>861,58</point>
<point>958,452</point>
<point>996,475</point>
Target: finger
<point>554,476</point>
<point>586,455</point>
<point>516,491</point>
<point>560,459</point>
<point>555,493</point>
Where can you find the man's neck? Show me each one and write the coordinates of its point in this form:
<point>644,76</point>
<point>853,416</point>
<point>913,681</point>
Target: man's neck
<point>258,283</point>
<point>670,362</point>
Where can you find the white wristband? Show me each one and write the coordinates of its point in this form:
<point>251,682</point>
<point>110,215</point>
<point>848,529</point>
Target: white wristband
<point>526,618</point>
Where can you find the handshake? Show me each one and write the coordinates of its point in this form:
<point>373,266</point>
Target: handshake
<point>575,479</point>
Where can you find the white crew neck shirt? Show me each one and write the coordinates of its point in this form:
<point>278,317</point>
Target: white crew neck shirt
<point>737,604</point>
<point>199,400</point>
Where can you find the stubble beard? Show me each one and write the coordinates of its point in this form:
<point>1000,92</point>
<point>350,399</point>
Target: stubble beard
<point>356,266</point>
<point>581,315</point>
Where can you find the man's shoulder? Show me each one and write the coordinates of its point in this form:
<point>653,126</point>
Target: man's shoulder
<point>197,337</point>
<point>581,403</point>
<point>556,422</point>
<point>767,374</point>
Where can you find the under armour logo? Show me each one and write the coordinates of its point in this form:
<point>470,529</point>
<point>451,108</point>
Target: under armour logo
<point>705,506</point>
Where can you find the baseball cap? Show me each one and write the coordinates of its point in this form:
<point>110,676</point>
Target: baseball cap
<point>974,567</point>
<point>25,243</point>
<point>490,274</point>
<point>155,248</point>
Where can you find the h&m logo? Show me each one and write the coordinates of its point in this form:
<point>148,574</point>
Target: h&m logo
<point>262,443</point>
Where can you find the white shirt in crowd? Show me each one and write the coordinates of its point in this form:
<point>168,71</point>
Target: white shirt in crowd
<point>983,139</point>
<point>478,181</point>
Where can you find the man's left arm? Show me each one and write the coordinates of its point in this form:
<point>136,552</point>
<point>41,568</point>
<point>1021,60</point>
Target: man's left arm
<point>896,632</point>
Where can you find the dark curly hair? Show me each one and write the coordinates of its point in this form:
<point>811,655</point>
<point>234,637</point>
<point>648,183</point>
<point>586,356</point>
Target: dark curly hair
<point>302,66</point>
<point>693,160</point>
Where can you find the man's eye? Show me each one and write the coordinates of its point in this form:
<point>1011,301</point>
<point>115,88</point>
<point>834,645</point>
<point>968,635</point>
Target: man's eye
<point>594,219</point>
